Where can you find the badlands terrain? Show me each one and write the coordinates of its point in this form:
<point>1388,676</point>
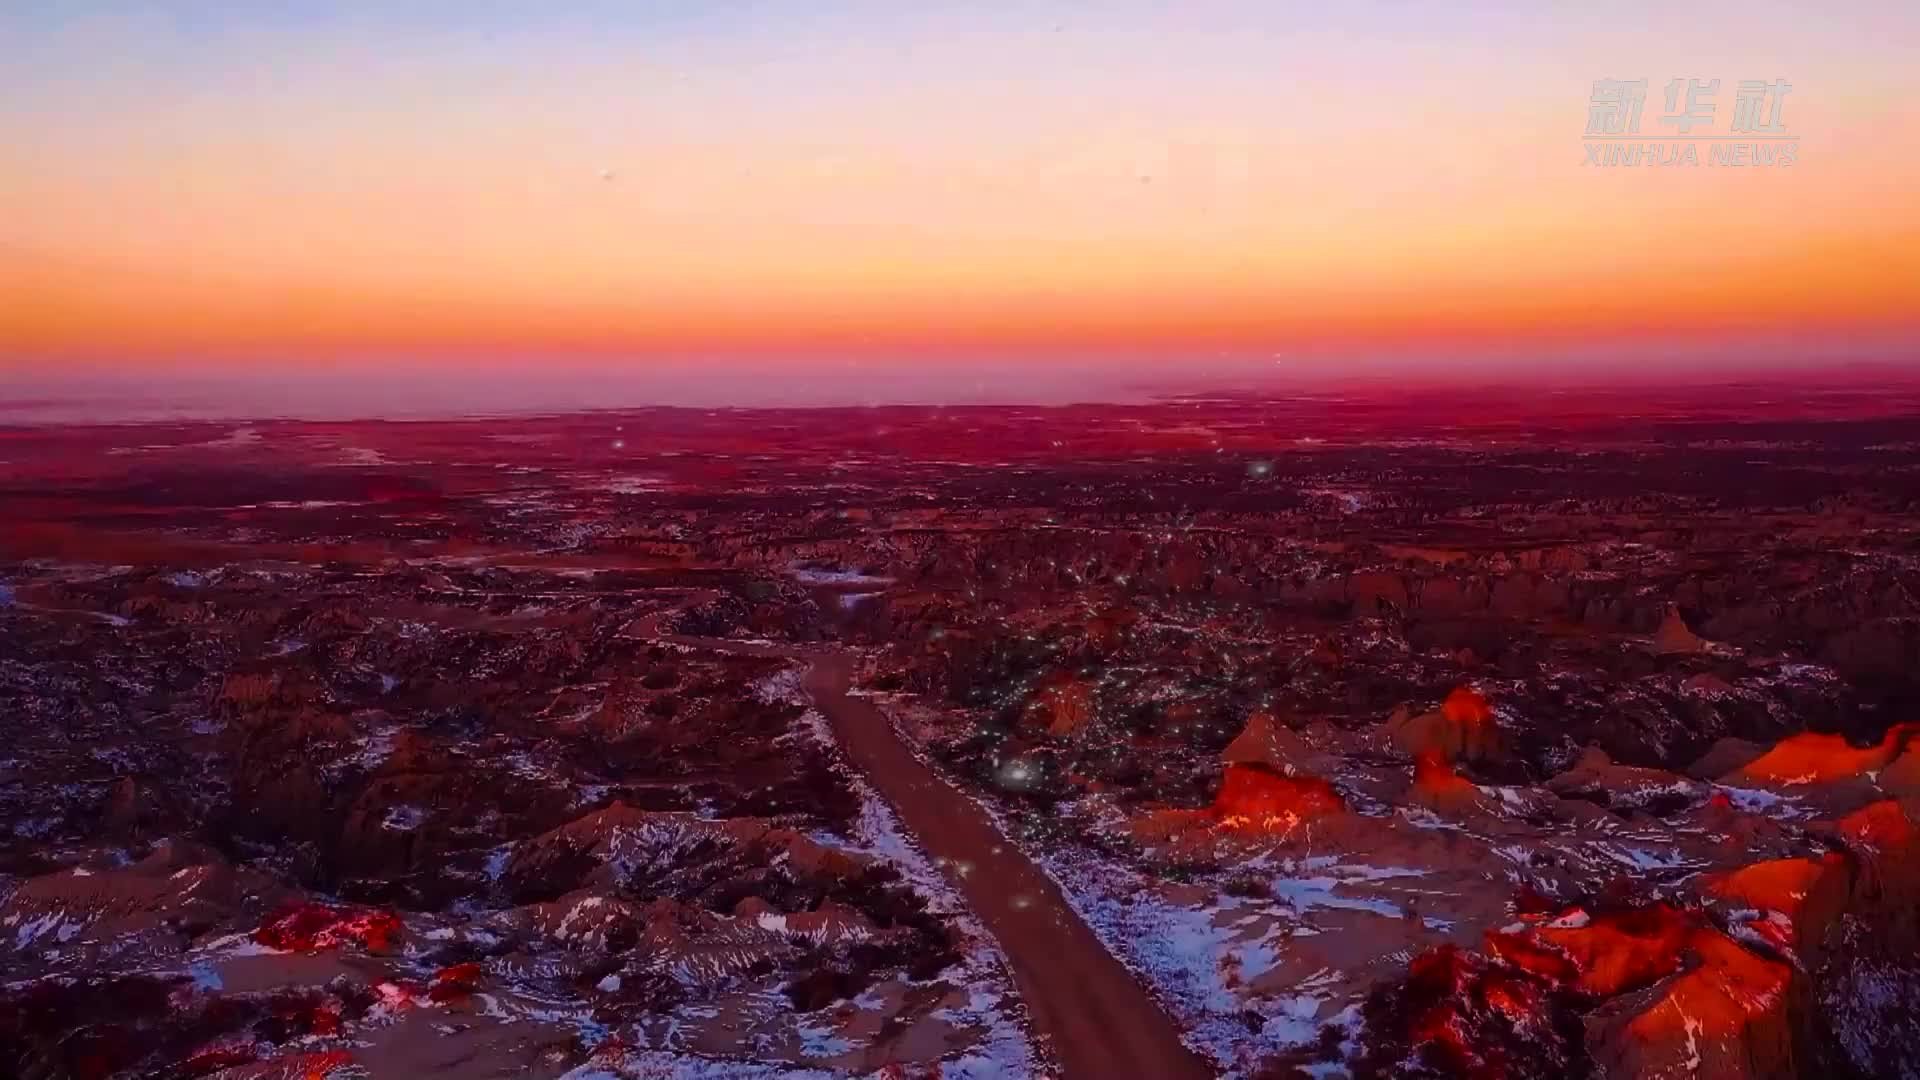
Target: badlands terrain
<point>1362,735</point>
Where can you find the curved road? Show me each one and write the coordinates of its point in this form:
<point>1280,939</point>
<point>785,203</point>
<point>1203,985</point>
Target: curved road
<point>1098,1021</point>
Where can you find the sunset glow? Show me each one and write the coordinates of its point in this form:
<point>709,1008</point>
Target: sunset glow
<point>223,188</point>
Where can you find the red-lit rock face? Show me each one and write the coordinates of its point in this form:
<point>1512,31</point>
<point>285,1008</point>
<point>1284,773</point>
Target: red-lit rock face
<point>1785,902</point>
<point>1782,885</point>
<point>1437,787</point>
<point>1664,991</point>
<point>1812,758</point>
<point>1725,1017</point>
<point>1599,955</point>
<point>1881,828</point>
<point>1457,1014</point>
<point>1461,729</point>
<point>454,983</point>
<point>318,927</point>
<point>1253,796</point>
<point>1902,776</point>
<point>1467,708</point>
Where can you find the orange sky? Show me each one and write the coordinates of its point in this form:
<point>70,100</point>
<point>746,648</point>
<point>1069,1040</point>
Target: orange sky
<point>222,189</point>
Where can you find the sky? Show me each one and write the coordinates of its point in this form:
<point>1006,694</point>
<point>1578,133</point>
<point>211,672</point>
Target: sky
<point>776,190</point>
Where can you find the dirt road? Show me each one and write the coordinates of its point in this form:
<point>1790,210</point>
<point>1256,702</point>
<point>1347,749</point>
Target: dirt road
<point>1100,1023</point>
